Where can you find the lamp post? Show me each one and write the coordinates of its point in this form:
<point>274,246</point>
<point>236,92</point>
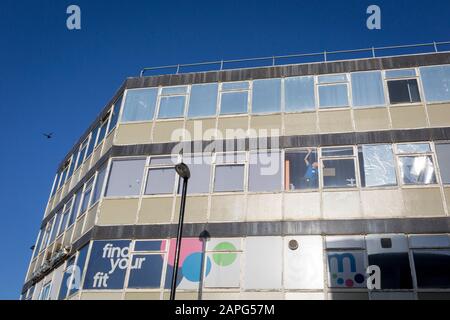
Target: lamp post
<point>184,173</point>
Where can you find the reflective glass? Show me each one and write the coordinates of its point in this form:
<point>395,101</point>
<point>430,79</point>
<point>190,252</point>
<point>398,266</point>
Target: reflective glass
<point>417,170</point>
<point>367,89</point>
<point>139,105</point>
<point>436,83</point>
<point>377,166</point>
<point>234,102</point>
<point>266,96</point>
<point>333,96</point>
<point>171,107</point>
<point>203,100</point>
<point>299,94</point>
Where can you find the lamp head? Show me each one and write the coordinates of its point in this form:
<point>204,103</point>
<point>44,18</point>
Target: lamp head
<point>183,170</point>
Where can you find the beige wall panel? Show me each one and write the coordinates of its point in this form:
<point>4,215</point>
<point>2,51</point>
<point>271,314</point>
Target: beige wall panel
<point>302,206</point>
<point>168,131</point>
<point>240,124</point>
<point>221,296</point>
<point>200,129</point>
<point>101,295</point>
<point>90,218</point>
<point>300,123</point>
<point>118,211</point>
<point>408,117</point>
<point>371,119</point>
<point>382,203</point>
<point>447,197</point>
<point>262,296</point>
<point>341,205</point>
<point>133,133</point>
<point>305,296</point>
<point>227,208</point>
<point>335,121</point>
<point>196,209</point>
<point>423,202</point>
<point>265,124</point>
<point>182,295</point>
<point>439,115</point>
<point>108,142</point>
<point>156,210</point>
<point>142,296</point>
<point>264,207</point>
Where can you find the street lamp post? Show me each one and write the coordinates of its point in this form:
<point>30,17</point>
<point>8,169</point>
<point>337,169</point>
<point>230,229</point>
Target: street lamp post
<point>184,173</point>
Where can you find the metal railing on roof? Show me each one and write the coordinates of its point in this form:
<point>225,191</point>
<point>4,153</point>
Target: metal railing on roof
<point>325,56</point>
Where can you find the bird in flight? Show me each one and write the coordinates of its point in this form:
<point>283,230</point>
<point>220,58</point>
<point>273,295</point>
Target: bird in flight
<point>48,135</point>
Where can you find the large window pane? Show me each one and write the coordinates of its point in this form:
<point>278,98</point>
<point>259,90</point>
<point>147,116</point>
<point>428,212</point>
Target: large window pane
<point>301,170</point>
<point>203,100</point>
<point>377,166</point>
<point>200,168</point>
<point>160,181</point>
<point>99,184</point>
<point>432,269</point>
<point>125,178</point>
<point>139,105</point>
<point>339,173</point>
<point>266,96</point>
<point>148,271</point>
<point>367,89</point>
<point>418,170</point>
<point>403,91</point>
<point>333,96</point>
<point>234,102</point>
<point>171,107</point>
<point>443,155</point>
<point>87,194</point>
<point>76,207</point>
<point>299,94</point>
<point>265,172</point>
<point>229,178</point>
<point>115,115</point>
<point>436,83</point>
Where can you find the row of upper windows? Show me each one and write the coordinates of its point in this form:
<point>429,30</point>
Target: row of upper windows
<point>294,94</point>
<point>404,261</point>
<point>367,166</point>
<point>87,147</point>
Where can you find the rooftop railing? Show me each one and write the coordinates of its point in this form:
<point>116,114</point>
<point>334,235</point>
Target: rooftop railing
<point>325,56</point>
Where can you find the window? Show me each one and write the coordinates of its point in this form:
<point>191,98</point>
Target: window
<point>234,98</point>
<point>266,96</point>
<point>103,255</point>
<point>333,91</point>
<point>346,262</point>
<point>299,94</point>
<point>38,243</point>
<point>200,167</point>
<point>203,100</point>
<point>102,130</point>
<point>139,105</point>
<point>45,291</point>
<point>338,167</point>
<point>115,114</point>
<point>90,147</point>
<point>432,268</point>
<point>436,83</point>
<point>172,102</point>
<point>99,184</point>
<point>46,236</point>
<point>148,259</point>
<point>443,157</point>
<point>65,216</point>
<point>160,176</point>
<point>76,206</point>
<point>55,185</point>
<point>301,170</point>
<point>63,175</point>
<point>401,89</point>
<point>125,178</point>
<point>71,167</point>
<point>79,268</point>
<point>416,164</point>
<point>265,171</point>
<point>367,89</point>
<point>377,166</point>
<point>229,173</point>
<point>55,223</point>
<point>82,153</point>
<point>393,262</point>
<point>87,195</point>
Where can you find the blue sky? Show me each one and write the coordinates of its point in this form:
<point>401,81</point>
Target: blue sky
<point>56,80</point>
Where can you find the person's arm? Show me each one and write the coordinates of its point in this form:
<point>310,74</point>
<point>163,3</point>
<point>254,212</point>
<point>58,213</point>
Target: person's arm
<point>307,156</point>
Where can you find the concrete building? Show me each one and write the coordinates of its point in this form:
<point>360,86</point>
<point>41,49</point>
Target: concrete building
<point>303,175</point>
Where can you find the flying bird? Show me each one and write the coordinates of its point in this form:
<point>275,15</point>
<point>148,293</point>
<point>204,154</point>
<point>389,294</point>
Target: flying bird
<point>48,135</point>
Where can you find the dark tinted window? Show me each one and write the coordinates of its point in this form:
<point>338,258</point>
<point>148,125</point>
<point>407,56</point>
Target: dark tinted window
<point>395,269</point>
<point>403,91</point>
<point>432,268</point>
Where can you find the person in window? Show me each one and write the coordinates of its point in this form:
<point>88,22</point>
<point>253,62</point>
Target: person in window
<point>312,171</point>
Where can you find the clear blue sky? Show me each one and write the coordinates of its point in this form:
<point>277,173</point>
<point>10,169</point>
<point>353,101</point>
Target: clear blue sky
<point>55,80</point>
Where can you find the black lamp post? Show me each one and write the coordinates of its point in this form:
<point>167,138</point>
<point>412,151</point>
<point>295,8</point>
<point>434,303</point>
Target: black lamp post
<point>184,172</point>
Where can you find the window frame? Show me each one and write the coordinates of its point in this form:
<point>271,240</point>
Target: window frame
<point>386,80</point>
<point>319,84</point>
<point>355,159</point>
<point>148,166</point>
<point>248,91</point>
<point>162,95</point>
<point>296,150</point>
<point>235,162</point>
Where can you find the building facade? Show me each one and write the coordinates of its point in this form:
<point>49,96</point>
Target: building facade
<point>303,176</point>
